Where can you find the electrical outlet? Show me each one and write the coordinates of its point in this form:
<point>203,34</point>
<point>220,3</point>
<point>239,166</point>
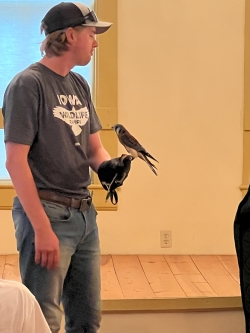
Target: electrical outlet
<point>166,238</point>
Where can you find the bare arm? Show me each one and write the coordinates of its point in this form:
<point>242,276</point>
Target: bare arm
<point>97,153</point>
<point>46,242</point>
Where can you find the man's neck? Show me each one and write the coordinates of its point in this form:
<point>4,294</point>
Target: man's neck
<point>59,65</point>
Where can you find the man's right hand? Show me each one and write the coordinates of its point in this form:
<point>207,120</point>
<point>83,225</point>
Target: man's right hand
<point>47,248</point>
<point>46,242</point>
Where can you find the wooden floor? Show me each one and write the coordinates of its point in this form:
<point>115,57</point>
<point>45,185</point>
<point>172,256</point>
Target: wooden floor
<point>157,276</point>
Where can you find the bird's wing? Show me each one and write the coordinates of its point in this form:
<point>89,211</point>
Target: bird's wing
<point>128,140</point>
<point>62,114</point>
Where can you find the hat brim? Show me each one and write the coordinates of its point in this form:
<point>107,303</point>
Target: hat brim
<point>100,26</point>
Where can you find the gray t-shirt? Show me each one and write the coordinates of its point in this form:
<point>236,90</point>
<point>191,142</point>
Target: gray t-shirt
<point>54,115</point>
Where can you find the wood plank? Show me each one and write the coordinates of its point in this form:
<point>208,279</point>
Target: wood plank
<point>195,285</point>
<point>131,277</point>
<point>2,263</point>
<point>182,264</point>
<point>110,288</point>
<point>189,277</point>
<point>230,262</point>
<point>160,277</point>
<point>216,275</point>
<point>11,268</point>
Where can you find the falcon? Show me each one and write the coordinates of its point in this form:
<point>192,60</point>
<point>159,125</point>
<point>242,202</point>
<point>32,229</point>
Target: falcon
<point>133,146</point>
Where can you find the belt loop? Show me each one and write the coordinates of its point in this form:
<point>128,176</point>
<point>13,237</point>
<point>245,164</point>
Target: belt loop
<point>85,204</point>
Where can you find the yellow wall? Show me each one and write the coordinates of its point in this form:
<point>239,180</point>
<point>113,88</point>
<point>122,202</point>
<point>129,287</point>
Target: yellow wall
<point>180,92</point>
<point>180,66</point>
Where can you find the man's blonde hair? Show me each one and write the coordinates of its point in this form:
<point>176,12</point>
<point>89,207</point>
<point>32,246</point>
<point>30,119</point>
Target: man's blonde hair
<point>55,44</point>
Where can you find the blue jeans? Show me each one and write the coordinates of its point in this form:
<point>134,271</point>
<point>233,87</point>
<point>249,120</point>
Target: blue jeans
<point>76,281</point>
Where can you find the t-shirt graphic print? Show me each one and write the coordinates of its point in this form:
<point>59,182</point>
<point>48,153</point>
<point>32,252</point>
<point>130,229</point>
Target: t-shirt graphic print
<point>74,117</point>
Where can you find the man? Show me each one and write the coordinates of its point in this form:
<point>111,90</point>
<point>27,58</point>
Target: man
<point>19,310</point>
<point>51,135</point>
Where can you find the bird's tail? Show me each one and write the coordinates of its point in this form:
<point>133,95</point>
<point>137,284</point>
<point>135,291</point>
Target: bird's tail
<point>149,163</point>
<point>150,156</point>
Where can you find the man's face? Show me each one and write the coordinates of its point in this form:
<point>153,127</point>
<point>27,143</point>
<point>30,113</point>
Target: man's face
<point>84,45</point>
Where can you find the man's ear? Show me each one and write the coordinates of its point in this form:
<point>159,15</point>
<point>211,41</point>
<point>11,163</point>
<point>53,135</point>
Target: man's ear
<point>71,35</point>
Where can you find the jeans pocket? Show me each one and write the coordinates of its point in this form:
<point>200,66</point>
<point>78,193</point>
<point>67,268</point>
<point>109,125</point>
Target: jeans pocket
<point>56,212</point>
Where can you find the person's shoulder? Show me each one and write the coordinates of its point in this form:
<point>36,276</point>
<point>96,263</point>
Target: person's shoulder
<point>9,283</point>
<point>29,78</point>
<point>34,70</point>
<point>26,75</point>
<point>14,287</point>
<point>12,284</point>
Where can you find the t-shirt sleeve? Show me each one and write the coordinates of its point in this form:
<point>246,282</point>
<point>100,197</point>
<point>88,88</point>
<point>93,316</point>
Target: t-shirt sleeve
<point>20,110</point>
<point>95,124</point>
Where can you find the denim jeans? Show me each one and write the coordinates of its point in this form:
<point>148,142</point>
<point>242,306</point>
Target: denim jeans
<point>76,281</point>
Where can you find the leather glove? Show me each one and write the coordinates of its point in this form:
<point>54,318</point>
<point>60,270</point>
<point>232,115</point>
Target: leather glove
<point>112,174</point>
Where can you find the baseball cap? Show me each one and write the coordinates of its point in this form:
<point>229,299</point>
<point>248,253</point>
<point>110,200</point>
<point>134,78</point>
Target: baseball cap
<point>71,14</point>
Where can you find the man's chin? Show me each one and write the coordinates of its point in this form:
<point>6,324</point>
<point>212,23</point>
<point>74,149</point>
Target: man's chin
<point>84,63</point>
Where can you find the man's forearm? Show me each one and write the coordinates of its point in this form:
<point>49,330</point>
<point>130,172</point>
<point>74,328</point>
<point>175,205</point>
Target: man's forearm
<point>98,157</point>
<point>26,190</point>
